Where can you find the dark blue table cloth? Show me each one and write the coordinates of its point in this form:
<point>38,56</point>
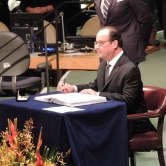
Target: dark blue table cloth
<point>97,135</point>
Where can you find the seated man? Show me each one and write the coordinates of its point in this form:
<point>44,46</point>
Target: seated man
<point>117,78</point>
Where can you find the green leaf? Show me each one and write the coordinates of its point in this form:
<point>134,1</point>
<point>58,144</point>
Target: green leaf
<point>53,153</point>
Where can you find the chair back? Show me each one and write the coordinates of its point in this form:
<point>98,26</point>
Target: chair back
<point>50,32</point>
<point>3,27</point>
<point>155,98</point>
<point>91,27</point>
<point>13,63</point>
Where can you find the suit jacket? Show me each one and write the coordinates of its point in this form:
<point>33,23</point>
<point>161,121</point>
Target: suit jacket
<point>123,84</point>
<point>164,18</point>
<point>134,20</point>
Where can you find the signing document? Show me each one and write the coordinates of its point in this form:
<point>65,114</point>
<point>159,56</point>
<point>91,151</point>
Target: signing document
<point>71,99</point>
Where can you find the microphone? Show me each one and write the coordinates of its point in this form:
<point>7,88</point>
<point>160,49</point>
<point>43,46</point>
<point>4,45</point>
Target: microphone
<point>87,49</point>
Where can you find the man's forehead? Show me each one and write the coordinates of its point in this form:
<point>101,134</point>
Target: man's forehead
<point>103,34</point>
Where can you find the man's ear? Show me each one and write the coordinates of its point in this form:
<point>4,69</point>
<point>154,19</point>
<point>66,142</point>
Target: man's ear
<point>115,44</point>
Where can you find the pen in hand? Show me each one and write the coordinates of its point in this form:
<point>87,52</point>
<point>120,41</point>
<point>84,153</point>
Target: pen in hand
<point>63,85</point>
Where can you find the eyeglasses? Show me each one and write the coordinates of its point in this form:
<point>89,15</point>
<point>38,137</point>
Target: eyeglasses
<point>100,43</point>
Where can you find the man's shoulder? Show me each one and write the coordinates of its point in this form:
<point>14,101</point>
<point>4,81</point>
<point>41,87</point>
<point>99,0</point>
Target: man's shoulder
<point>124,60</point>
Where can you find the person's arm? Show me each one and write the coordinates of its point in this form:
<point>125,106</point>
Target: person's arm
<point>91,85</point>
<point>65,88</point>
<point>33,10</point>
<point>129,89</point>
<point>26,7</point>
<point>45,9</point>
<point>141,9</point>
<point>86,88</point>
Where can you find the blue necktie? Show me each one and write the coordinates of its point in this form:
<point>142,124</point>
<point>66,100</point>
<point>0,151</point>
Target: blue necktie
<point>105,8</point>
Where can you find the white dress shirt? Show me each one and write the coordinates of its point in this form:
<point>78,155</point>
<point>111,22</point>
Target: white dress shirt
<point>112,63</point>
<point>101,6</point>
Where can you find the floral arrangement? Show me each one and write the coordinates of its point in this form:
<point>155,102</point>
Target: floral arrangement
<point>17,148</point>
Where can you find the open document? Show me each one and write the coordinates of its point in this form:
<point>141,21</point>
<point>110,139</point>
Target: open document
<point>71,99</point>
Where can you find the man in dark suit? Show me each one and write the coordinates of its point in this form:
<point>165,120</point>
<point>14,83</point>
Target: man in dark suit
<point>123,82</point>
<point>164,17</point>
<point>133,19</point>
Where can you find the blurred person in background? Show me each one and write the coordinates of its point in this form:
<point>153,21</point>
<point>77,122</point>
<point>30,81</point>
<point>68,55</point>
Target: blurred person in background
<point>133,19</point>
<point>4,13</point>
<point>45,6</point>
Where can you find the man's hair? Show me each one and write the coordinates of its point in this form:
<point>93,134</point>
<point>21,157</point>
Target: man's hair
<point>114,34</point>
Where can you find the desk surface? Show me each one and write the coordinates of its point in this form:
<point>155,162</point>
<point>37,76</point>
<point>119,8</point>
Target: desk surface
<point>87,61</point>
<point>96,135</point>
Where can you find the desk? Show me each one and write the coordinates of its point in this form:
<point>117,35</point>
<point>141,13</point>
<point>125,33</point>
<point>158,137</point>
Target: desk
<point>87,61</point>
<point>97,135</point>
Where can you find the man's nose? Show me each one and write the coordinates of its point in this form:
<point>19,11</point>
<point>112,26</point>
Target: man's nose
<point>96,46</point>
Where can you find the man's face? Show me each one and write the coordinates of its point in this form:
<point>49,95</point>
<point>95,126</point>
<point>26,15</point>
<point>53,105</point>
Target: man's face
<point>103,46</point>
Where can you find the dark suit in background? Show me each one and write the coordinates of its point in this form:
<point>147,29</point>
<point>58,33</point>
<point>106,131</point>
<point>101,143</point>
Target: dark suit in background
<point>134,20</point>
<point>4,13</point>
<point>159,6</point>
<point>164,17</point>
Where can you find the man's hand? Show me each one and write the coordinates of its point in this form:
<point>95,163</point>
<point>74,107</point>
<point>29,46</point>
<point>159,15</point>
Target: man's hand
<point>88,91</point>
<point>39,9</point>
<point>65,88</point>
<point>33,10</point>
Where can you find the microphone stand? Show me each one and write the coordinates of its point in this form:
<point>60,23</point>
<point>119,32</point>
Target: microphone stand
<point>31,40</point>
<point>63,32</point>
<point>46,56</point>
<point>56,25</point>
<point>46,52</point>
<point>57,49</point>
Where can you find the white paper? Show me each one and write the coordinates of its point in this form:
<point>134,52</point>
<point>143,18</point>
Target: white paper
<point>63,109</point>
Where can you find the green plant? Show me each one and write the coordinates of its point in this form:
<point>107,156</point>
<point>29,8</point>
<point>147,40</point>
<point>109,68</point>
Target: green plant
<point>18,147</point>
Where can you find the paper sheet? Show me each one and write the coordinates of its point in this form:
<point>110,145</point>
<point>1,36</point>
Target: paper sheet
<point>63,109</point>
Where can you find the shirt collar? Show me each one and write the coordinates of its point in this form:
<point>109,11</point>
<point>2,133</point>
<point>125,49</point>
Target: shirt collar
<point>115,59</point>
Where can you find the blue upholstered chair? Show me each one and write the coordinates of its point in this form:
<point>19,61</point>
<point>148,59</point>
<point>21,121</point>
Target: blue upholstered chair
<point>14,61</point>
